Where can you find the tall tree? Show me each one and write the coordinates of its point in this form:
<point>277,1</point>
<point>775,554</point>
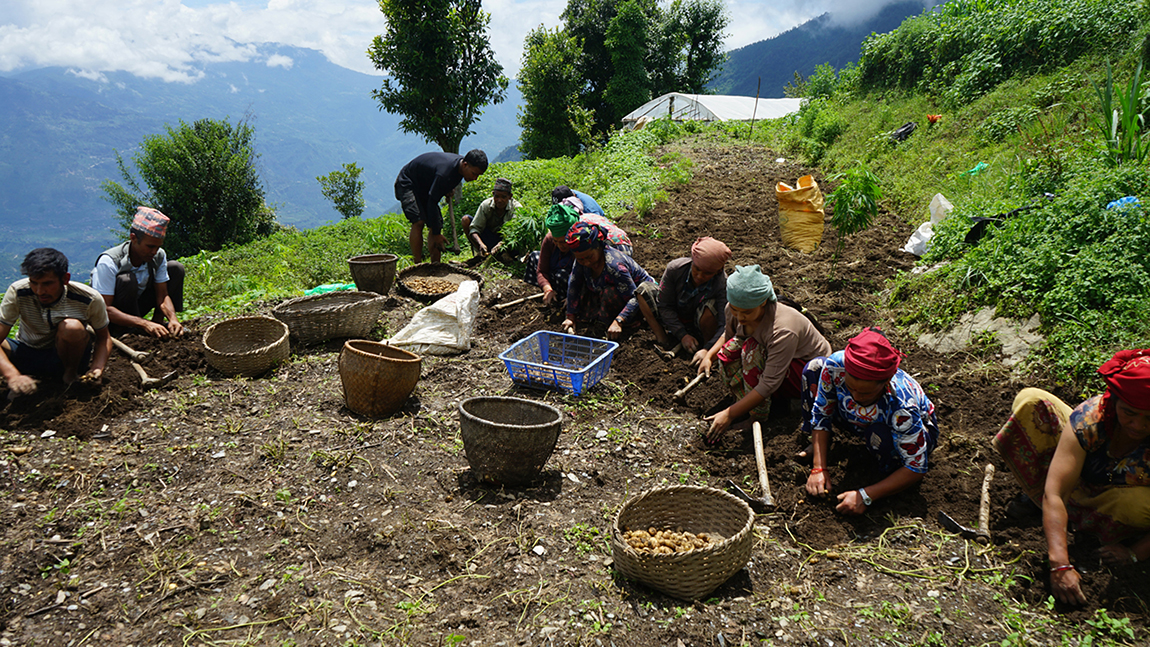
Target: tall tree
<point>203,176</point>
<point>702,24</point>
<point>629,87</point>
<point>550,83</point>
<point>441,66</point>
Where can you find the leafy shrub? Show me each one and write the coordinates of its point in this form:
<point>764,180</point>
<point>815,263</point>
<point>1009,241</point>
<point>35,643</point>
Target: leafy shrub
<point>204,177</point>
<point>854,202</point>
<point>525,231</point>
<point>962,48</point>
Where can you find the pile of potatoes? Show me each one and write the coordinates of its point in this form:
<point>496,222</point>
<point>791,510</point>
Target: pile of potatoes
<point>668,542</point>
<point>430,286</point>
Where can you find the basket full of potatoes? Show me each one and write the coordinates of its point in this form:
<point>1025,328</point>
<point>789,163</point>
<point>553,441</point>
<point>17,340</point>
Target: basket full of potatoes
<point>682,540</point>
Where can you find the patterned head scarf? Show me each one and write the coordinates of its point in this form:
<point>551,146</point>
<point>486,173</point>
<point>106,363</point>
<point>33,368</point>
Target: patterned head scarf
<point>749,288</point>
<point>584,236</point>
<point>869,356</point>
<point>709,255</point>
<point>559,219</point>
<point>1127,376</point>
<point>502,184</point>
<point>150,222</point>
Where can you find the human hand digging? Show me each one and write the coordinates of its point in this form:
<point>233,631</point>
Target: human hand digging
<point>818,484</point>
<point>1066,586</point>
<point>23,385</point>
<point>156,330</point>
<point>719,424</point>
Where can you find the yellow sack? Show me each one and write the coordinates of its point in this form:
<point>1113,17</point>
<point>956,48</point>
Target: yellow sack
<point>801,214</point>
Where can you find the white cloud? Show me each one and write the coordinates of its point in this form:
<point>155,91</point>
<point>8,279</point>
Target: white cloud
<point>278,60</point>
<point>170,39</point>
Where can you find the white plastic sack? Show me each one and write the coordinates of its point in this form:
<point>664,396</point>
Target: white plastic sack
<point>919,241</point>
<point>444,327</point>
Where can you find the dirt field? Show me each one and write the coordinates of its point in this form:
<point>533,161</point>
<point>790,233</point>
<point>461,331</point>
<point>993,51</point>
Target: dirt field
<point>264,512</point>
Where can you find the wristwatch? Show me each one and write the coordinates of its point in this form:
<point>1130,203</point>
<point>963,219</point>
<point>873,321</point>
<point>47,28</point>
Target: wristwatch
<point>867,501</point>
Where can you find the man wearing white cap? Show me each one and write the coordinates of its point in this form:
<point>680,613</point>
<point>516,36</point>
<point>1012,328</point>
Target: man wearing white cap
<point>136,276</point>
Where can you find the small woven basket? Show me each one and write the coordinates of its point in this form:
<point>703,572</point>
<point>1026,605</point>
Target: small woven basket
<point>377,378</point>
<point>685,508</point>
<point>246,346</point>
<point>442,271</point>
<point>508,440</point>
<point>336,314</point>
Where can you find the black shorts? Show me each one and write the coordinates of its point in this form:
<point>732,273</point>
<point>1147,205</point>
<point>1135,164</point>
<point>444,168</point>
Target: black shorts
<point>410,206</point>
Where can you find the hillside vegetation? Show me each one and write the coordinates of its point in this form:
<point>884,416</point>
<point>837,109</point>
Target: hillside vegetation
<point>1019,88</point>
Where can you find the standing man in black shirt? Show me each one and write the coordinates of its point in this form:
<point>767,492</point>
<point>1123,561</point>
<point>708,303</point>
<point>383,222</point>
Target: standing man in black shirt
<point>425,181</point>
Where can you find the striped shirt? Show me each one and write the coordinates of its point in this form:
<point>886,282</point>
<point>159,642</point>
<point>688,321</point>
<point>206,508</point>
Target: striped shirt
<point>38,322</point>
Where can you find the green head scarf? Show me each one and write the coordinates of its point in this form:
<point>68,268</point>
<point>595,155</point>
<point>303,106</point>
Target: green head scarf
<point>559,219</point>
<point>749,288</point>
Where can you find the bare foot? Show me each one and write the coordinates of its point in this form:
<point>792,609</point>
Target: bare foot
<point>809,450</point>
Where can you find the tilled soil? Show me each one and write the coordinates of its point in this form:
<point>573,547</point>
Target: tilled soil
<point>263,511</point>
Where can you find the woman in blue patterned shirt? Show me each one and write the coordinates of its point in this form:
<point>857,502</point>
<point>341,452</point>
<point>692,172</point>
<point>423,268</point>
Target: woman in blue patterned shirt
<point>862,390</point>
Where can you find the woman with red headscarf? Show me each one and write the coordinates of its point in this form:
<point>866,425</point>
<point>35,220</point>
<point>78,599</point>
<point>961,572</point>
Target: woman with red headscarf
<point>692,298</point>
<point>1089,467</point>
<point>863,391</point>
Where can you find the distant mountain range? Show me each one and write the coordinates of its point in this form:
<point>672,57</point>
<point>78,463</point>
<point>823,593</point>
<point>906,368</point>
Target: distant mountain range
<point>59,133</point>
<point>817,41</point>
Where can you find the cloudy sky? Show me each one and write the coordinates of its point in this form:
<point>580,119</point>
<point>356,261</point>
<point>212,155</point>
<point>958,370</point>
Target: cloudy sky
<point>168,39</point>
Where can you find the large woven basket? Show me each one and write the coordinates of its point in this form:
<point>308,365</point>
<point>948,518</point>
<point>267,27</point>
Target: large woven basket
<point>377,378</point>
<point>246,346</point>
<point>508,440</point>
<point>685,508</point>
<point>455,275</point>
<point>335,314</point>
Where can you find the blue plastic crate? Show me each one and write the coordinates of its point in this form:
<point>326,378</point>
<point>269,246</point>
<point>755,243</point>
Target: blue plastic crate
<point>555,360</point>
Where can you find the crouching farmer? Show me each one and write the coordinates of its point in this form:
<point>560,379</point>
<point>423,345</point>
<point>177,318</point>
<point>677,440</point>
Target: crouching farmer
<point>862,391</point>
<point>136,277</point>
<point>53,312</point>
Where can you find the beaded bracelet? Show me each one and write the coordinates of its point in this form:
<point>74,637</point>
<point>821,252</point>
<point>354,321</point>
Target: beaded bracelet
<point>816,470</point>
<point>1064,567</point>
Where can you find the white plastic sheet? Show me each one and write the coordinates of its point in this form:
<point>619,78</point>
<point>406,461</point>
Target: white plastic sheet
<point>919,241</point>
<point>444,327</point>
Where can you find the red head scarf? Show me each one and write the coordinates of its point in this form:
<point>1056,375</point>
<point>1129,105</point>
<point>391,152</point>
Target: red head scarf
<point>869,356</point>
<point>709,255</point>
<point>1127,376</point>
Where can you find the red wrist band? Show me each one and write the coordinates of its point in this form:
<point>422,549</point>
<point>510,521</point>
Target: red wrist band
<point>1065,567</point>
<point>816,470</point>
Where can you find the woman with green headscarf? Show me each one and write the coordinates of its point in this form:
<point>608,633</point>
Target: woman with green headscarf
<point>761,352</point>
<point>550,267</point>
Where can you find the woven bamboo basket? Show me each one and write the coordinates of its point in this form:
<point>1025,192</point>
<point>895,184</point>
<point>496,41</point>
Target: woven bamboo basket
<point>246,346</point>
<point>377,378</point>
<point>336,314</point>
<point>685,508</point>
<point>373,272</point>
<point>508,440</point>
<point>443,271</point>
